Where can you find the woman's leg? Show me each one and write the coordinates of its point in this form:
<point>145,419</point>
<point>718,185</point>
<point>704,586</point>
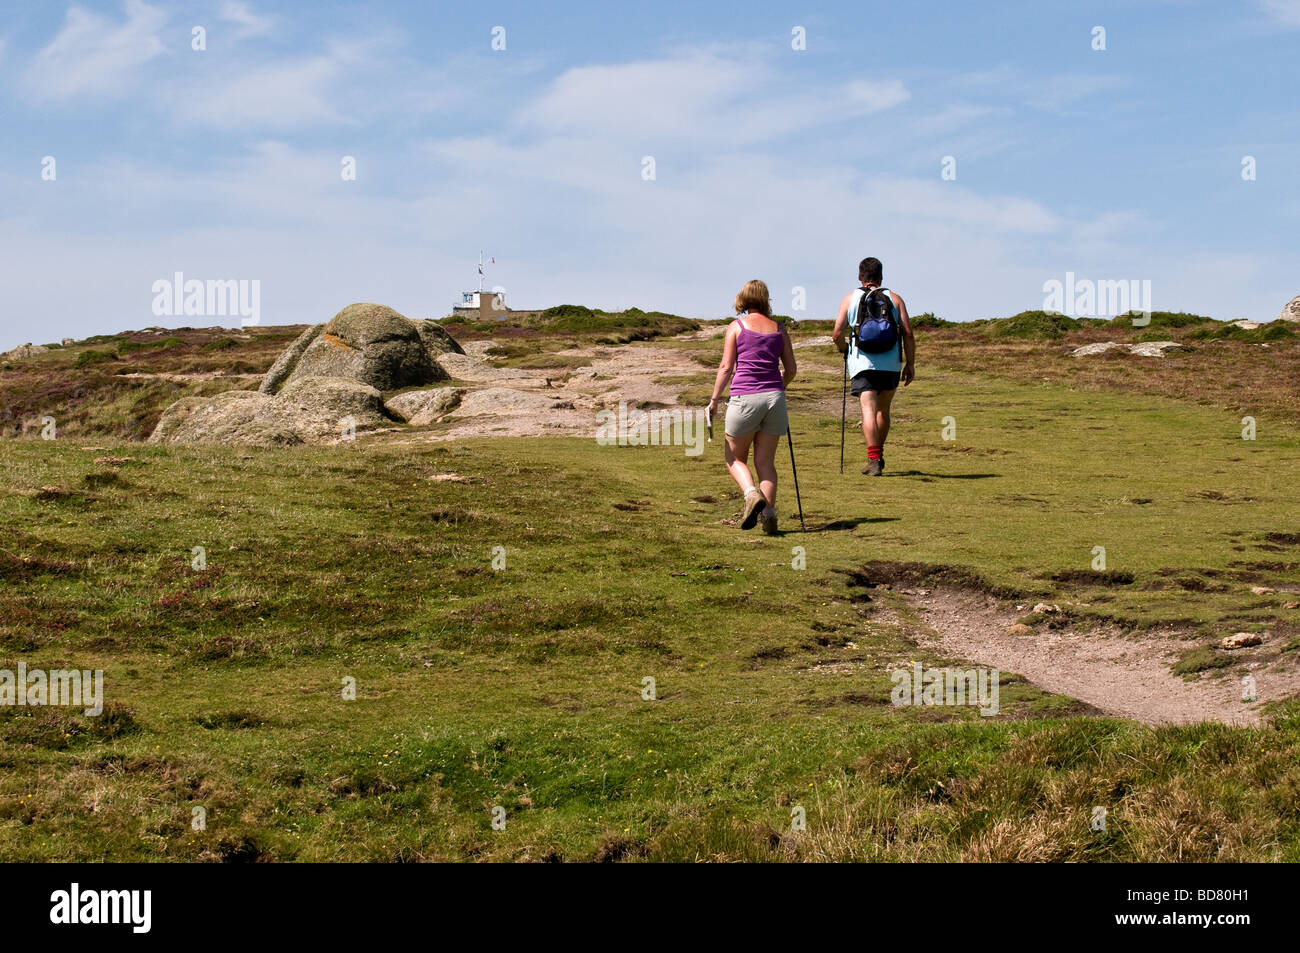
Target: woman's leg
<point>765,445</point>
<point>737,457</point>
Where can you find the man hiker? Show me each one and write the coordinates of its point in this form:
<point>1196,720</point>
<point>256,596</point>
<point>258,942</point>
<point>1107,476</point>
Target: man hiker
<point>876,339</point>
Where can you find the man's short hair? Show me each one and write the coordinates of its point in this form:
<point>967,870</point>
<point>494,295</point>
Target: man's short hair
<point>870,269</point>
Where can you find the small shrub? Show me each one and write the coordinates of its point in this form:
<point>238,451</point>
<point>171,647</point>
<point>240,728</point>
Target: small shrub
<point>1230,332</point>
<point>1161,319</point>
<point>1033,324</point>
<point>569,311</point>
<point>93,356</point>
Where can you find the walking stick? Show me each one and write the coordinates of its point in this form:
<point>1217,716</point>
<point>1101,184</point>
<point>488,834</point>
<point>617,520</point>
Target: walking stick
<point>844,403</point>
<point>790,443</point>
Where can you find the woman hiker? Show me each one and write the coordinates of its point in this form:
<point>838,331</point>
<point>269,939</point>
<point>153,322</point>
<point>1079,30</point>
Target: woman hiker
<point>754,352</point>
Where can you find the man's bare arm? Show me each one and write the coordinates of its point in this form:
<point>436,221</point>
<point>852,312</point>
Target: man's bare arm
<point>909,342</point>
<point>841,324</point>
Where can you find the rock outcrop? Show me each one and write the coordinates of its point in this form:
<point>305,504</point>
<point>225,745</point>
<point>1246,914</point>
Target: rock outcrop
<point>370,343</point>
<point>1144,349</point>
<point>1242,640</point>
<point>505,402</point>
<point>1156,348</point>
<point>327,386</point>
<point>422,407</point>
<point>311,410</point>
<point>1101,347</point>
<point>1292,311</point>
<point>23,351</point>
<point>288,360</point>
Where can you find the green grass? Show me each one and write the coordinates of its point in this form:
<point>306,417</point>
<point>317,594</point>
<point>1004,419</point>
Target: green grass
<point>522,688</point>
<point>1200,659</point>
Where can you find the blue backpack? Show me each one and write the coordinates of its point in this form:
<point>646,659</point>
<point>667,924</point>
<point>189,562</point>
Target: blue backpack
<point>877,330</point>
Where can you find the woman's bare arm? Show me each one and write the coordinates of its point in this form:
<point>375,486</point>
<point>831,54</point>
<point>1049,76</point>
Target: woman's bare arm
<point>787,358</point>
<point>727,366</point>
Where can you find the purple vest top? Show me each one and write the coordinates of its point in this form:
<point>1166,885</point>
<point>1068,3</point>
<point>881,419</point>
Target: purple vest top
<point>758,362</point>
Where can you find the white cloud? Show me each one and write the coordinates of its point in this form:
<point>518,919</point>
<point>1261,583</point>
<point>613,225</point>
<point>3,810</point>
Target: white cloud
<point>1053,93</point>
<point>1284,11</point>
<point>1049,92</point>
<point>698,96</point>
<point>650,99</point>
<point>350,80</point>
<point>250,24</point>
<point>291,93</point>
<point>95,56</point>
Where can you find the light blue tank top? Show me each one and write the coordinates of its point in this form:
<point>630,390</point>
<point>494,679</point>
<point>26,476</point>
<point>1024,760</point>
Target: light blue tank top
<point>891,360</point>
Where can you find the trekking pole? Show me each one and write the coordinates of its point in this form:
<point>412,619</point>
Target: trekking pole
<point>844,403</point>
<point>790,442</point>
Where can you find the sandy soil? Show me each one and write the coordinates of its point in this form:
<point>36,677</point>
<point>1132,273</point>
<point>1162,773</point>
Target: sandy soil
<point>1123,675</point>
<point>197,376</point>
<point>632,373</point>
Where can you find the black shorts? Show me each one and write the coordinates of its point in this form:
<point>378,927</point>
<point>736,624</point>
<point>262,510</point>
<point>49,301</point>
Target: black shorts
<point>874,380</point>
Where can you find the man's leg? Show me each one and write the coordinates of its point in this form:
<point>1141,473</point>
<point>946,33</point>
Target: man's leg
<point>875,427</point>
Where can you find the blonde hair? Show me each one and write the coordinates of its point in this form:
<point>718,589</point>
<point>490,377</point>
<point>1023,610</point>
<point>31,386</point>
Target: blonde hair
<point>754,297</point>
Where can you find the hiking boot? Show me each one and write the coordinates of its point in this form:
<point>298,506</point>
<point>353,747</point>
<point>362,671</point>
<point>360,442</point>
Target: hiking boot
<point>769,522</point>
<point>754,504</point>
<point>874,467</point>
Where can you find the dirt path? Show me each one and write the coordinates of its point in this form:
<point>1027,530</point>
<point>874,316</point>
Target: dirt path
<point>518,402</point>
<point>1129,676</point>
<point>192,377</point>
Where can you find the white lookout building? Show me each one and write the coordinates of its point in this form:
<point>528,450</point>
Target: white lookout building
<point>481,303</point>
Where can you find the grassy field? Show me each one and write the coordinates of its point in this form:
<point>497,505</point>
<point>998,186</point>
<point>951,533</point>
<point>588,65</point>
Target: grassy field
<point>523,687</point>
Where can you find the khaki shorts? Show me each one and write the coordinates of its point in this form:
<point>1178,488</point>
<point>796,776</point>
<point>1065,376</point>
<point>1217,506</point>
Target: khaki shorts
<point>750,413</point>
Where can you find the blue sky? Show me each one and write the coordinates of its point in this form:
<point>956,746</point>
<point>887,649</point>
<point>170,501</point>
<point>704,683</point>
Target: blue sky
<point>789,165</point>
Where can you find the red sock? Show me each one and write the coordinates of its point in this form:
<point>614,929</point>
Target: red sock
<point>875,453</point>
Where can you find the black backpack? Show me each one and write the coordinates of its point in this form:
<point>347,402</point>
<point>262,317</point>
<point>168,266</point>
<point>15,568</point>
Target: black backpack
<point>877,331</point>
